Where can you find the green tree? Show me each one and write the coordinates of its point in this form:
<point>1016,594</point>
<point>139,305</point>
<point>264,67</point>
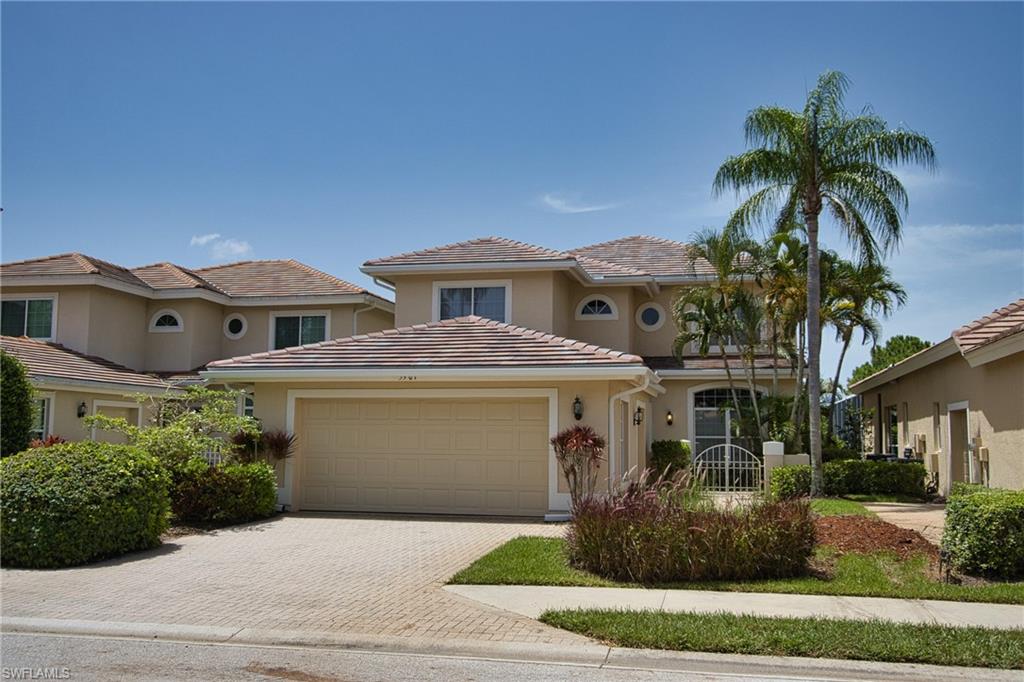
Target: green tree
<point>17,405</point>
<point>862,292</point>
<point>803,162</point>
<point>895,349</point>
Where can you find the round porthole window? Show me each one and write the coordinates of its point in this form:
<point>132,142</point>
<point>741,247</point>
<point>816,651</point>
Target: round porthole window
<point>650,317</point>
<point>235,326</point>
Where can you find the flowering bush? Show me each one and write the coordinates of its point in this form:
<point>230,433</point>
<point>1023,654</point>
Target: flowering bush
<point>665,530</point>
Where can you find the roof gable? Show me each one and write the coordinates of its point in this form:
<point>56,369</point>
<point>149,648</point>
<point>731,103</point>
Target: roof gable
<point>275,278</point>
<point>69,264</point>
<point>482,250</point>
<point>457,343</point>
<point>651,255</point>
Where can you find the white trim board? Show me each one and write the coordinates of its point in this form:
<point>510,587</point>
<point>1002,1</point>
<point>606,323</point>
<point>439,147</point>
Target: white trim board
<point>557,501</point>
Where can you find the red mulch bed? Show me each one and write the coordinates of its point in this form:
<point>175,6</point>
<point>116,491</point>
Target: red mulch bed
<point>867,534</point>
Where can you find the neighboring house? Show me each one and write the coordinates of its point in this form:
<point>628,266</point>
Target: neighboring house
<point>452,411</point>
<point>959,403</point>
<point>165,320</point>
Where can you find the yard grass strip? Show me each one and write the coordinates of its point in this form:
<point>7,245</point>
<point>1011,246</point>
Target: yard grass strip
<point>809,637</point>
<point>835,506</point>
<point>529,560</point>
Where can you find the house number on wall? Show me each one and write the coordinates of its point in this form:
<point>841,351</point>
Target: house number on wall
<point>407,378</point>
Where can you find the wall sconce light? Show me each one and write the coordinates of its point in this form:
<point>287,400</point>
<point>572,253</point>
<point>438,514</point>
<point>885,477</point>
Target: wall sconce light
<point>82,409</point>
<point>669,418</point>
<point>577,408</point>
<point>638,416</point>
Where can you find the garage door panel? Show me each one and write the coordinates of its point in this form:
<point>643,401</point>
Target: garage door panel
<point>429,455</point>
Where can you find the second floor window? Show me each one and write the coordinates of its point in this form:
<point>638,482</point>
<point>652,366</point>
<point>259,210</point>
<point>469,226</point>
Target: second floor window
<point>28,317</point>
<point>298,330</point>
<point>486,302</point>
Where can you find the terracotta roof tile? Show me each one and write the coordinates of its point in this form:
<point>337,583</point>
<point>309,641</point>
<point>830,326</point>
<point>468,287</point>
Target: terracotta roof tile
<point>51,360</point>
<point>68,264</point>
<point>171,276</point>
<point>483,250</point>
<point>650,255</point>
<point>460,342</point>
<point>996,325</point>
<point>274,278</point>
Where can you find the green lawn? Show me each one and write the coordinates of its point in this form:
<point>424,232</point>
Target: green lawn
<point>883,498</point>
<point>836,506</point>
<point>813,637</point>
<point>541,561</point>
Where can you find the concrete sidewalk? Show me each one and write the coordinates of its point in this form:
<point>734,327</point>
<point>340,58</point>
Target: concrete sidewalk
<point>529,600</point>
<point>926,519</point>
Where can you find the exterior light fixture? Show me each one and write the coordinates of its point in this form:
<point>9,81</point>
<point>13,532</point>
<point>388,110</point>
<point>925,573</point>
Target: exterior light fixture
<point>669,418</point>
<point>638,416</point>
<point>82,409</point>
<point>577,408</point>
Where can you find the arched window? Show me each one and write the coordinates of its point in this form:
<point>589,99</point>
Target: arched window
<point>597,307</point>
<point>715,421</point>
<point>166,320</point>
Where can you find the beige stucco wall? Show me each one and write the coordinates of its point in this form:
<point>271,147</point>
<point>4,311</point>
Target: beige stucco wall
<point>617,334</point>
<point>67,425</point>
<point>532,295</point>
<point>995,396</point>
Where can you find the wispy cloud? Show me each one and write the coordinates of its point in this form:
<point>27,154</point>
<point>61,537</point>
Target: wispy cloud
<point>203,239</point>
<point>960,248</point>
<point>558,202</point>
<point>221,249</point>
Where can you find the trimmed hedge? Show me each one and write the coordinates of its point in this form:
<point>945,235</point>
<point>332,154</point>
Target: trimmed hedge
<point>78,502</point>
<point>658,533</point>
<point>17,405</point>
<point>984,532</point>
<point>849,476</point>
<point>226,493</point>
<point>673,455</point>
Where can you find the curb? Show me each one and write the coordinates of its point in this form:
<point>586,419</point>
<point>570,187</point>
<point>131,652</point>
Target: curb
<point>585,655</point>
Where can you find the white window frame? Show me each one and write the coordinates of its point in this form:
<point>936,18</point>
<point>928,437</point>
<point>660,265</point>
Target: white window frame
<point>274,314</point>
<point>614,315</point>
<point>650,327</point>
<point>435,315</point>
<point>166,330</point>
<point>691,410</point>
<point>246,395</point>
<point>245,326</point>
<point>38,297</point>
<point>96,404</point>
<point>51,399</point>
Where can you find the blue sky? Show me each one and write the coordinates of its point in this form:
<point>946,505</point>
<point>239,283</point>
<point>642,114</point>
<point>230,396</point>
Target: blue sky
<point>334,133</point>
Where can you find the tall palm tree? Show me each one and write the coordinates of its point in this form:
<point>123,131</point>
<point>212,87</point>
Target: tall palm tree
<point>703,321</point>
<point>823,157</point>
<point>863,292</point>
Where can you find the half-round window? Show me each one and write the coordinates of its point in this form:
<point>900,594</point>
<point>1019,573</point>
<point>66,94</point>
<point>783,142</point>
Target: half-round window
<point>235,326</point>
<point>166,321</point>
<point>650,317</point>
<point>597,308</point>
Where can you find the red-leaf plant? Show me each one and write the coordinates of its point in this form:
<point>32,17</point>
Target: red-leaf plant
<point>579,451</point>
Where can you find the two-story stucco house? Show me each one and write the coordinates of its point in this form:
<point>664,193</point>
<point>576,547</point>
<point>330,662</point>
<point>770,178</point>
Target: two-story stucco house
<point>498,345</point>
<point>91,332</point>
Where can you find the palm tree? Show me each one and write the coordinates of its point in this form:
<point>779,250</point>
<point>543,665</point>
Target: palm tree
<point>702,320</point>
<point>822,157</point>
<point>863,291</point>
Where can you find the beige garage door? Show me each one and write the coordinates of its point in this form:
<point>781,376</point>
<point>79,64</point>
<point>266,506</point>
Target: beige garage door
<point>476,456</point>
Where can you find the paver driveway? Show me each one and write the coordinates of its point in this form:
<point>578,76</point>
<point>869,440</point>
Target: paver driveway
<point>365,575</point>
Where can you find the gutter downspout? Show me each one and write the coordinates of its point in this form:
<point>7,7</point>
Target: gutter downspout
<point>384,284</point>
<point>612,441</point>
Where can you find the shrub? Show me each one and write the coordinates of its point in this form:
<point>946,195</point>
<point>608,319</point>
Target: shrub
<point>669,456</point>
<point>226,493</point>
<point>78,502</point>
<point>660,532</point>
<point>579,451</point>
<point>17,405</point>
<point>985,532</point>
<point>959,489</point>
<point>849,476</point>
<point>47,442</point>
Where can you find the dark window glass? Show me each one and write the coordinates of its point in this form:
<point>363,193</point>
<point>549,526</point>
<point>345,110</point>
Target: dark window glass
<point>650,316</point>
<point>286,332</point>
<point>167,321</point>
<point>235,325</point>
<point>12,318</point>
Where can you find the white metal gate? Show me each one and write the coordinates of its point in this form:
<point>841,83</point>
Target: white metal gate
<point>729,468</point>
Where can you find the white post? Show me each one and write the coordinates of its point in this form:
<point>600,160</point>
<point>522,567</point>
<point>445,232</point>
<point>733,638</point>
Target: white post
<point>774,456</point>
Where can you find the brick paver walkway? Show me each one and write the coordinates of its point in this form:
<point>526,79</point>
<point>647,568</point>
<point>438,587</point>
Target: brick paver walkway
<point>374,576</point>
